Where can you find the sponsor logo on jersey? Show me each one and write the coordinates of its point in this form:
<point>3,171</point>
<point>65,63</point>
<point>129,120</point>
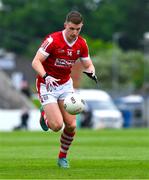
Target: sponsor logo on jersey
<point>64,63</point>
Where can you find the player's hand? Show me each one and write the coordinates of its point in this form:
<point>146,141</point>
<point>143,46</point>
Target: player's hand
<point>91,75</point>
<point>50,82</point>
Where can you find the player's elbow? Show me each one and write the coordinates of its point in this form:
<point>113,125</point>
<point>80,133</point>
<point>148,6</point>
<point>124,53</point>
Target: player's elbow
<point>34,64</point>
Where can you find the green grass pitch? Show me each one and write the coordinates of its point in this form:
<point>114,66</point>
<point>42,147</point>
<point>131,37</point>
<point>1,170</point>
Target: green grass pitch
<point>100,154</point>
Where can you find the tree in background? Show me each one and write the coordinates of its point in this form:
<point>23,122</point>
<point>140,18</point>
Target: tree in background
<point>117,70</point>
<point>24,23</point>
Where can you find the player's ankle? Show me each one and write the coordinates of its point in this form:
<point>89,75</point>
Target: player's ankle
<point>62,155</point>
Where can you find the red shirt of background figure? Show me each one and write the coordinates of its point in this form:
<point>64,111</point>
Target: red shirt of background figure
<point>61,55</point>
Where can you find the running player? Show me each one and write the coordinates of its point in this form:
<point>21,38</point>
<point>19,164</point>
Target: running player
<point>53,62</point>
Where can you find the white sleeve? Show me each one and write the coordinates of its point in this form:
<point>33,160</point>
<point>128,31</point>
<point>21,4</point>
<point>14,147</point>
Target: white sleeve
<point>45,46</point>
<point>85,58</point>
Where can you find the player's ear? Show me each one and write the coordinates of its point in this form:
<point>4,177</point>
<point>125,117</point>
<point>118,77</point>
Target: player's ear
<point>65,24</point>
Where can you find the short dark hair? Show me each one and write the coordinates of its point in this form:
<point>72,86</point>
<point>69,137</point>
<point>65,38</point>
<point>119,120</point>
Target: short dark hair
<point>74,17</point>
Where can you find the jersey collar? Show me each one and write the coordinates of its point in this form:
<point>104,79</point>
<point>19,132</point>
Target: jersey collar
<point>68,43</point>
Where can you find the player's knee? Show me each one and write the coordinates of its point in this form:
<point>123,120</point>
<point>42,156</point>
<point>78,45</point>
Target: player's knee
<point>57,127</point>
<point>71,126</point>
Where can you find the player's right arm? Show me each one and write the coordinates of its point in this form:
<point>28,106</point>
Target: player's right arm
<point>41,56</point>
<point>37,63</point>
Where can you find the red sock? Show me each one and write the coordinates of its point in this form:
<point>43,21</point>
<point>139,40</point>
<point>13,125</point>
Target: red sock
<point>66,140</point>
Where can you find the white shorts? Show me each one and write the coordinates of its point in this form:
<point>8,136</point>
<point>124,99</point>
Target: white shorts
<point>59,93</point>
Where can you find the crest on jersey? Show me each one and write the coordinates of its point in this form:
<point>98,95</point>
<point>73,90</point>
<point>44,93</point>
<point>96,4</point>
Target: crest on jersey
<point>78,52</point>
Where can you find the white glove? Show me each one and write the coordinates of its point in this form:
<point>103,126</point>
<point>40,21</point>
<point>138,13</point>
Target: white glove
<point>51,82</point>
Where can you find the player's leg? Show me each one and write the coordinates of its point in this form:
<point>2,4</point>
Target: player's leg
<point>67,135</point>
<point>69,119</point>
<point>53,117</point>
<point>43,121</point>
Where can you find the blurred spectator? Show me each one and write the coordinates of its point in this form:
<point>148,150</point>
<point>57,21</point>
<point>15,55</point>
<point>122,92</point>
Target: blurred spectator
<point>25,87</point>
<point>25,111</point>
<point>24,120</point>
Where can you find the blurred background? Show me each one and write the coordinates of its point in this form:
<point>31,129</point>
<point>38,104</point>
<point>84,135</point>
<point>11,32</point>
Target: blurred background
<point>117,33</point>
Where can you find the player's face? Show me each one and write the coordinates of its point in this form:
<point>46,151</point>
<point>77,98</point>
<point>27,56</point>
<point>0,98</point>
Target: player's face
<point>72,30</point>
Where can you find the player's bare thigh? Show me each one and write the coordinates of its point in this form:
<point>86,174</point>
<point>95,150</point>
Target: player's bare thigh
<point>54,116</point>
<point>69,120</point>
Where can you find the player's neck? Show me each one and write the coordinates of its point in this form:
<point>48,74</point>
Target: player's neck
<point>69,40</point>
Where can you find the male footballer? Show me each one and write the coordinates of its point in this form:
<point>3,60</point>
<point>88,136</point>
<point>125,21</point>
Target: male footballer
<point>53,62</point>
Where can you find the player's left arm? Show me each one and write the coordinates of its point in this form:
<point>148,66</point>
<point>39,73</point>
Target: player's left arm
<point>88,67</point>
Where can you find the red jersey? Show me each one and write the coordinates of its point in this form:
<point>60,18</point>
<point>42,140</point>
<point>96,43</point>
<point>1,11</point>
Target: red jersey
<point>61,55</point>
